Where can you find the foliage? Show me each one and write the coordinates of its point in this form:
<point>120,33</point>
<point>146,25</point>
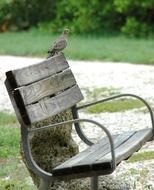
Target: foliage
<point>135,28</point>
<point>22,14</point>
<point>133,18</point>
<point>139,16</point>
<point>86,16</point>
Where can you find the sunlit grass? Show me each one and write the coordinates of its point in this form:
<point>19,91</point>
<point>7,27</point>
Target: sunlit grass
<point>109,48</point>
<point>115,106</point>
<point>141,156</point>
<point>9,135</point>
<point>6,118</point>
<point>14,175</point>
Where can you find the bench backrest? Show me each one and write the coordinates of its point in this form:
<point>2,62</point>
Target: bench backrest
<point>42,90</point>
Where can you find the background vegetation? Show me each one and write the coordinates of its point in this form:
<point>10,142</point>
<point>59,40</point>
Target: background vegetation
<point>111,30</point>
<point>133,18</point>
<point>80,47</point>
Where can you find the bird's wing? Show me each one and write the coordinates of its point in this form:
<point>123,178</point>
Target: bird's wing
<point>60,44</point>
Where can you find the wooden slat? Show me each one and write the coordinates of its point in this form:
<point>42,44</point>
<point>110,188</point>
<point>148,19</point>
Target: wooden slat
<point>47,87</point>
<point>130,146</point>
<point>54,105</point>
<point>125,144</point>
<point>86,154</point>
<point>33,73</point>
<point>95,151</point>
<point>19,113</point>
<point>83,161</point>
<point>118,140</point>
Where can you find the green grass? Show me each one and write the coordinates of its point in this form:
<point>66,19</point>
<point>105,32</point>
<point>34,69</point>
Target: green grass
<point>95,93</point>
<point>6,118</point>
<point>14,175</point>
<point>110,48</point>
<point>141,156</point>
<point>115,106</point>
<point>9,135</point>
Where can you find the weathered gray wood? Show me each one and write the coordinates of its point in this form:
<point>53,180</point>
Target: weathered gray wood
<point>54,105</point>
<point>47,87</point>
<point>84,154</point>
<point>125,144</point>
<point>97,150</point>
<point>33,73</point>
<point>118,140</point>
<point>14,103</point>
<point>130,146</point>
<point>84,160</point>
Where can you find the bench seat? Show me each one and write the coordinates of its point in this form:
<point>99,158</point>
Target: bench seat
<point>96,159</point>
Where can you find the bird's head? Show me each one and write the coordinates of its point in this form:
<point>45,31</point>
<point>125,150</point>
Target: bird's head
<point>66,31</point>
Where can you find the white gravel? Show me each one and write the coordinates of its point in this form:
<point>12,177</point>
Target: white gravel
<point>129,78</point>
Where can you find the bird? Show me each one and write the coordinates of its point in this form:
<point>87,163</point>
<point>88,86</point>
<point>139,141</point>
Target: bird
<point>59,44</point>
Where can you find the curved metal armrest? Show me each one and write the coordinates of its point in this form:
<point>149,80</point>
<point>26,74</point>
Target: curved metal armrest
<point>119,96</point>
<point>27,151</point>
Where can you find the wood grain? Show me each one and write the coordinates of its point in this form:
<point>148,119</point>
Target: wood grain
<point>20,113</point>
<point>47,87</point>
<point>51,106</point>
<point>96,151</point>
<point>33,73</point>
<point>89,163</point>
<point>130,146</point>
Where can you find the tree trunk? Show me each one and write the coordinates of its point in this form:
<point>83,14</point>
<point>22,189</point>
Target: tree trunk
<point>52,147</point>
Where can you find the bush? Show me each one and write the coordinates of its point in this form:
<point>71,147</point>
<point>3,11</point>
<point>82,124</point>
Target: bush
<point>139,16</point>
<point>23,14</point>
<point>86,16</point>
<point>134,28</point>
<point>133,18</point>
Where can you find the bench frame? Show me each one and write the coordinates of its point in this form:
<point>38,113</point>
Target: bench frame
<point>46,177</point>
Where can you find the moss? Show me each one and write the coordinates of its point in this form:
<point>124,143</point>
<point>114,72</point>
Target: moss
<point>141,156</point>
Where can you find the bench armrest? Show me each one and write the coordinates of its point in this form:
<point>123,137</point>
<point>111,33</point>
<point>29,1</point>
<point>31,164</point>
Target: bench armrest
<point>119,96</point>
<point>27,151</point>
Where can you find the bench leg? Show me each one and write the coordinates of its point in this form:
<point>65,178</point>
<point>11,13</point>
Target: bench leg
<point>94,183</point>
<point>44,185</point>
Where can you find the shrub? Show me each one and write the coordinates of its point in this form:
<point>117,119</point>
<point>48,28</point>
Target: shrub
<point>134,28</point>
<point>133,18</point>
<point>139,16</point>
<point>86,16</point>
<point>23,14</point>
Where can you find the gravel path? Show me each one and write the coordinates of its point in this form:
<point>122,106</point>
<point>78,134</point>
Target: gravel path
<point>129,78</point>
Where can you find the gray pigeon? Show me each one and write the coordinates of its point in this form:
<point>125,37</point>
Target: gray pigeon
<point>59,44</point>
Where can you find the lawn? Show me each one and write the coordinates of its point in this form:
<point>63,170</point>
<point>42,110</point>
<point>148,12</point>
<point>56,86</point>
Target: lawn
<point>12,170</point>
<point>108,48</point>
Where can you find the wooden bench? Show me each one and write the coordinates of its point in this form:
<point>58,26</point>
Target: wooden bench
<point>48,88</point>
